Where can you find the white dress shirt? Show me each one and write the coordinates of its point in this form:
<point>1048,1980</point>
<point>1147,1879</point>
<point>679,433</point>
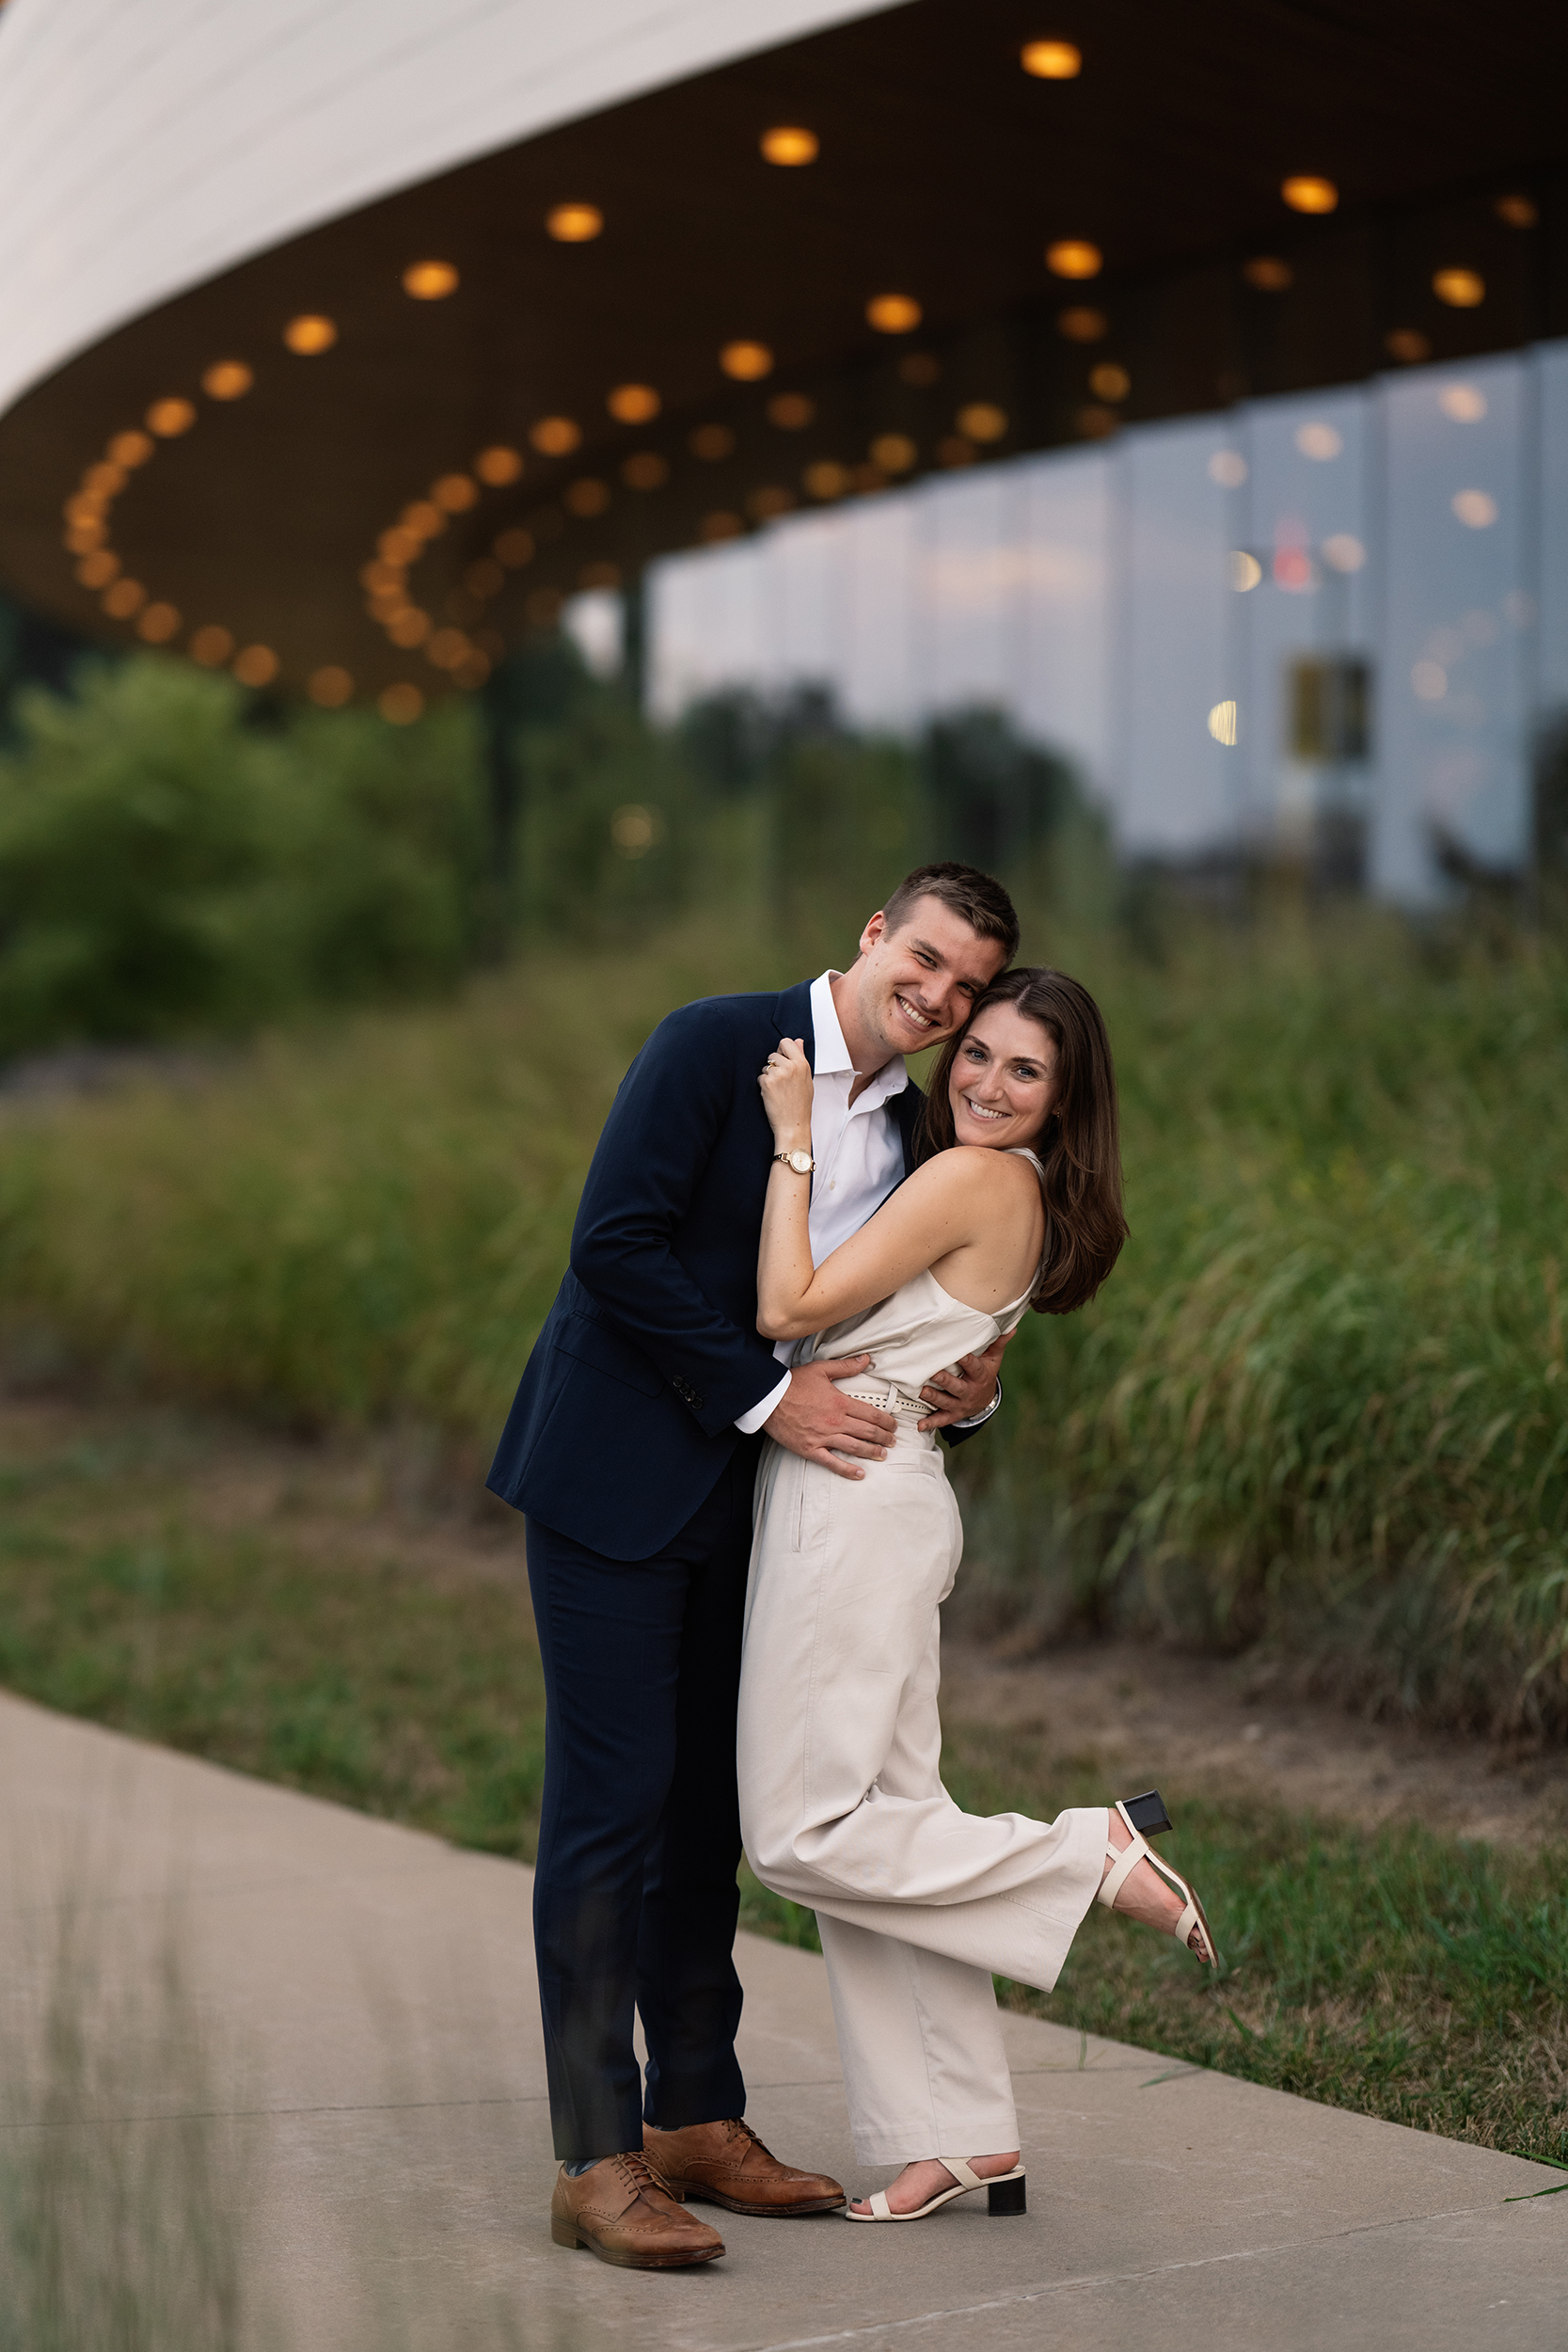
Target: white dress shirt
<point>857,1150</point>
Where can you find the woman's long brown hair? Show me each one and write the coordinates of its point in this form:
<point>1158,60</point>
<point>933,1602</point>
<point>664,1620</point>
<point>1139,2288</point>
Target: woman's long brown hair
<point>1080,1145</point>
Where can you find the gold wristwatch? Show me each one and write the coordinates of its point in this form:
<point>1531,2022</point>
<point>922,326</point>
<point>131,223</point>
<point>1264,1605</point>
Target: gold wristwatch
<point>801,1162</point>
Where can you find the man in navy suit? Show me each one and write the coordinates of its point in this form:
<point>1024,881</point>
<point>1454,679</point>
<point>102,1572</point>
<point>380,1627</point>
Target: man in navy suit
<point>632,1447</point>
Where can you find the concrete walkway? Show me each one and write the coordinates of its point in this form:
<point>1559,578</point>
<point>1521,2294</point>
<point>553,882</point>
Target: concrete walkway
<point>352,2024</point>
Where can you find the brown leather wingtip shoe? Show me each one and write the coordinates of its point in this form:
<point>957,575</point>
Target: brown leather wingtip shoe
<point>727,2164</point>
<point>621,2211</point>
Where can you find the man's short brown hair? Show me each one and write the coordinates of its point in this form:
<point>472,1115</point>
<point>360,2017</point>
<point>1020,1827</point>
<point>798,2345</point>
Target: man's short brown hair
<point>977,899</point>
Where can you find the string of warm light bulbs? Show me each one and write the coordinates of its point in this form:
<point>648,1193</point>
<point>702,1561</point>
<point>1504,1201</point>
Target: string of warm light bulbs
<point>98,565</point>
<point>462,649</point>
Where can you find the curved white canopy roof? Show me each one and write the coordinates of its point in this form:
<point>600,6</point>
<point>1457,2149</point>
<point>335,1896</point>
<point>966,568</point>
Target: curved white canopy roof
<point>146,145</point>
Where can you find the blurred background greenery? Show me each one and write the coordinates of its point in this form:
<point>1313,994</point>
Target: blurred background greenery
<point>1322,1407</point>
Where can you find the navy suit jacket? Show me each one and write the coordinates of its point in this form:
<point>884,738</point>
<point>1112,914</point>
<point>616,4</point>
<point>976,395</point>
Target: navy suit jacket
<point>626,1412</point>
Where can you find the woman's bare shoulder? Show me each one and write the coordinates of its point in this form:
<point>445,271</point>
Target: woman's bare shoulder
<point>969,1169</point>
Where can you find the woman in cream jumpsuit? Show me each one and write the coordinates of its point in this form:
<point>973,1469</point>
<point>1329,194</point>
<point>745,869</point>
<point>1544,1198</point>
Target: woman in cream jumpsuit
<point>842,1803</point>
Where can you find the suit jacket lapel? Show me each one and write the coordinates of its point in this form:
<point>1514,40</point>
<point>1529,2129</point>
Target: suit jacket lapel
<point>906,1109</point>
<point>793,1014</point>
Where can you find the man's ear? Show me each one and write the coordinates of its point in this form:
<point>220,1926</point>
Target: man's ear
<point>873,931</point>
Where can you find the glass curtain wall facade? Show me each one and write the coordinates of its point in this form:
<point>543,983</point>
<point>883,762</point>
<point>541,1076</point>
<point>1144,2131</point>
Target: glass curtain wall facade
<point>1328,625</point>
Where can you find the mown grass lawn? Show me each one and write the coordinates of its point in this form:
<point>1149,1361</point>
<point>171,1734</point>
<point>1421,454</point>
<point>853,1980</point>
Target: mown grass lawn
<point>1405,1975</point>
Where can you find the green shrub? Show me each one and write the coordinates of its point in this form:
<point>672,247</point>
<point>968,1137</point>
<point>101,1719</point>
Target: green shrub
<point>610,836</point>
<point>167,867</point>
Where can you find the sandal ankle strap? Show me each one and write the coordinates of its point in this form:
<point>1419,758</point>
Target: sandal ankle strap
<point>1126,1859</point>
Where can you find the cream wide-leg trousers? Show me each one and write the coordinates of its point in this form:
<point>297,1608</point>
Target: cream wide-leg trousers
<point>841,1806</point>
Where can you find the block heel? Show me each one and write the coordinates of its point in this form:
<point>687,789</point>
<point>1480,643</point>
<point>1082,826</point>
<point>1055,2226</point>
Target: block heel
<point>1007,2197</point>
<point>564,2233</point>
<point>1144,1817</point>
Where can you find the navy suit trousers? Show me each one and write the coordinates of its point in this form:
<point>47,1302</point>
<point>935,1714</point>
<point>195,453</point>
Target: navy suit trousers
<point>635,1897</point>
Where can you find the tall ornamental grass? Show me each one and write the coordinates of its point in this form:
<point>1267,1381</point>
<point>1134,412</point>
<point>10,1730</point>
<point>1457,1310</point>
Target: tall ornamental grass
<point>1321,1404</point>
<point>1323,1401</point>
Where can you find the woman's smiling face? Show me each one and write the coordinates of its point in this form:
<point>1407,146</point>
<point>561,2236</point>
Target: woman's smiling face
<point>1004,1082</point>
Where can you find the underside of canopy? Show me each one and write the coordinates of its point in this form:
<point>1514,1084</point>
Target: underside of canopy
<point>487,414</point>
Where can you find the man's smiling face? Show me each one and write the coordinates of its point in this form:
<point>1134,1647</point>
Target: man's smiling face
<point>913,987</point>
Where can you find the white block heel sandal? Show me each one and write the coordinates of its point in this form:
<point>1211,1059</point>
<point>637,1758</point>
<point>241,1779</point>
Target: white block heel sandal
<point>1149,1813</point>
<point>1007,2194</point>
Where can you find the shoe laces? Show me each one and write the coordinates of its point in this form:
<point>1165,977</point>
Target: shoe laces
<point>639,2172</point>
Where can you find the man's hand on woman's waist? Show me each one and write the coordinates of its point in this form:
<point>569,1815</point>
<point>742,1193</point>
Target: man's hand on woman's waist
<point>822,1425</point>
<point>967,1390</point>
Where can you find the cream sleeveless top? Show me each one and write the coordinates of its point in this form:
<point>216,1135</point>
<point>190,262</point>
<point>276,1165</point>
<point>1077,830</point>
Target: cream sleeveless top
<point>920,1330</point>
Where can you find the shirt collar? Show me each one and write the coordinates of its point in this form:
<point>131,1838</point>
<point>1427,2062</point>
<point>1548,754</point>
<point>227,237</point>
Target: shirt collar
<point>832,1054</point>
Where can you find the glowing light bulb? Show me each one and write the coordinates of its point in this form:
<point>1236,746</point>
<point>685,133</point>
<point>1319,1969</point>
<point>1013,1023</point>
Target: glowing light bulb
<point>645,470</point>
<point>256,665</point>
<point>455,493</point>
<point>1464,402</point>
<point>330,687</point>
<point>1074,257</point>
<point>1408,346</point>
<point>633,404</point>
<point>1306,193</point>
<point>1083,325</point>
<point>1461,289</point>
<point>497,466</point>
<point>1052,60</point>
<point>574,224</point>
<point>982,420</point>
<point>168,419</point>
<point>309,334</point>
<point>894,314</point>
<point>430,281</point>
<point>791,145</point>
<point>791,411</point>
<point>555,436</point>
<point>228,379</point>
<point>1268,273</point>
<point>746,363</point>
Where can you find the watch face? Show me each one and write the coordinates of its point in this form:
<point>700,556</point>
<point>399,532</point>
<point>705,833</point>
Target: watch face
<point>801,1163</point>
